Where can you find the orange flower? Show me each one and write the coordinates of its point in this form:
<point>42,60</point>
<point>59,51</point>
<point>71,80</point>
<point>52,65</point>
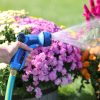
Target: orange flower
<point>85,55</point>
<point>86,64</point>
<point>92,57</point>
<point>87,76</point>
<point>85,73</point>
<point>95,50</point>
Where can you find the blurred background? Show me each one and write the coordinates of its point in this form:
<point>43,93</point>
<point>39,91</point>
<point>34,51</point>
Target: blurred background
<point>62,12</point>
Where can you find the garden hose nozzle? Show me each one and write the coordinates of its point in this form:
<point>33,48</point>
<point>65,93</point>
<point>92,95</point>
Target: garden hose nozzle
<point>33,41</point>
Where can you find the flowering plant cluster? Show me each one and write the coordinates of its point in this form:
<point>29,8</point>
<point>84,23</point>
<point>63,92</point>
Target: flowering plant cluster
<point>91,58</point>
<point>50,66</point>
<point>94,11</point>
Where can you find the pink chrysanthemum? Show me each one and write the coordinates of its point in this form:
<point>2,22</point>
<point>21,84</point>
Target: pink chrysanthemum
<point>48,64</point>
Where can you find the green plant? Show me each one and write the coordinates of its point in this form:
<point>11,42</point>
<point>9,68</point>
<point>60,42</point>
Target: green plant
<point>8,34</point>
<point>3,80</point>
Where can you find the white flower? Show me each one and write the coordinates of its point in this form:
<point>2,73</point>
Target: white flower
<point>3,65</point>
<point>2,27</point>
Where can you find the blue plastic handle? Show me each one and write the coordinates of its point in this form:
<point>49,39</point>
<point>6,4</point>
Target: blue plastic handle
<point>26,54</point>
<point>15,61</point>
<point>18,60</point>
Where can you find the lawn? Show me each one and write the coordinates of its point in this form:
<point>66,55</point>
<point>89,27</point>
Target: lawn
<point>62,12</point>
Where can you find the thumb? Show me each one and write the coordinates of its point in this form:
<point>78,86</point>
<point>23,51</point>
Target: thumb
<point>24,46</point>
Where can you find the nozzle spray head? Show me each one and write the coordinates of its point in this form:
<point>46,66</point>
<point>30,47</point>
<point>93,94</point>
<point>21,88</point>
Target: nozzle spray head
<point>42,39</point>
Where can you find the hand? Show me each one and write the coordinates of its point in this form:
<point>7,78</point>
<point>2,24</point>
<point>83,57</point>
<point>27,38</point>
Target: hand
<point>8,51</point>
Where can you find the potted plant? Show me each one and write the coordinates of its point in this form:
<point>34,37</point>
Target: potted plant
<point>49,68</point>
<point>90,58</point>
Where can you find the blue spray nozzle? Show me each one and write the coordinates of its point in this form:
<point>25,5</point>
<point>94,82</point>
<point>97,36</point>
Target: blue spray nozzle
<point>33,41</point>
<point>42,39</point>
<point>45,38</point>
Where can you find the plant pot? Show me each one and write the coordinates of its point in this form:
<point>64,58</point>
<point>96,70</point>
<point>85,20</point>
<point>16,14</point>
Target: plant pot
<point>51,96</point>
<point>48,94</point>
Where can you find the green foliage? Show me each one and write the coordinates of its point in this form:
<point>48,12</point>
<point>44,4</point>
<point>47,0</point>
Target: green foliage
<point>3,80</point>
<point>9,35</point>
<point>71,91</point>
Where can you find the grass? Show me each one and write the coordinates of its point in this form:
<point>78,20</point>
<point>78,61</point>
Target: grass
<point>71,92</point>
<point>62,12</point>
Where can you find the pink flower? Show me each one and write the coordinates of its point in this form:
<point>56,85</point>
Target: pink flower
<point>69,49</point>
<point>63,71</point>
<point>63,57</point>
<point>25,77</point>
<point>93,8</point>
<point>62,51</point>
<point>79,64</point>
<point>41,77</point>
<point>50,54</point>
<point>64,81</point>
<point>73,66</point>
<point>69,78</point>
<point>38,92</point>
<point>35,83</point>
<point>17,18</point>
<point>69,59</point>
<point>87,13</point>
<point>63,45</point>
<point>46,78</point>
<point>35,78</point>
<point>98,1</point>
<point>52,75</point>
<point>35,71</point>
<point>42,56</point>
<point>38,64</point>
<point>29,88</point>
<point>98,8</point>
<point>92,3</point>
<point>59,68</point>
<point>60,63</point>
<point>28,70</point>
<point>54,62</point>
<point>58,81</point>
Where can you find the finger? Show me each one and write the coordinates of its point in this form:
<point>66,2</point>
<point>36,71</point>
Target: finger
<point>12,48</point>
<point>24,46</point>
